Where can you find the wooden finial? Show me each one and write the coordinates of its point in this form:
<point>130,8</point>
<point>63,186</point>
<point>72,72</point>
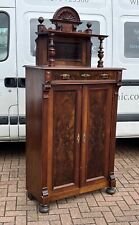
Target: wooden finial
<point>89,30</point>
<point>41,27</point>
<point>41,20</point>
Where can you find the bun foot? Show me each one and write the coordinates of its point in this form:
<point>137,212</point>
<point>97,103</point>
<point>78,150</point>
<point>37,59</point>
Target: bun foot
<point>30,196</point>
<point>111,190</point>
<point>43,208</point>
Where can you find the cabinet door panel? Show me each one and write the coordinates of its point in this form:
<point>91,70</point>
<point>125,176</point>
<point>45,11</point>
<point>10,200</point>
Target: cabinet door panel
<point>96,130</point>
<point>66,130</point>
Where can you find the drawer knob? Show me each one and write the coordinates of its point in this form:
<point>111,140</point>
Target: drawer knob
<point>104,76</point>
<point>85,75</point>
<point>65,76</point>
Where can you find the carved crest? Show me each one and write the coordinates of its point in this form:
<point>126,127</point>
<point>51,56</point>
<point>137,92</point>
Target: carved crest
<point>67,13</point>
<point>66,19</point>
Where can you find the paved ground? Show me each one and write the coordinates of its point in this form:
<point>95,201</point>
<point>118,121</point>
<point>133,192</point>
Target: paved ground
<point>96,208</point>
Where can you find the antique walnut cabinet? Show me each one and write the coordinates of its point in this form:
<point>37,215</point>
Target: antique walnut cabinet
<point>71,113</point>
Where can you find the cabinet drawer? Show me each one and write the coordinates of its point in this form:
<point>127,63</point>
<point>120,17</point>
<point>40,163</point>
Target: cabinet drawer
<point>84,75</point>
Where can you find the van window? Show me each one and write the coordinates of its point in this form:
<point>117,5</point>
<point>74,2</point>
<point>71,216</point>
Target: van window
<point>131,39</point>
<point>33,36</point>
<point>4,35</point>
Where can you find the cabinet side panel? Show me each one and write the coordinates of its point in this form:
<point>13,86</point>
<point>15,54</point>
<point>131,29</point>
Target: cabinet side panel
<point>99,116</point>
<point>33,131</point>
<point>65,161</point>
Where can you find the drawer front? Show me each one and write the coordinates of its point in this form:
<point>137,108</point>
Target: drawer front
<point>85,75</point>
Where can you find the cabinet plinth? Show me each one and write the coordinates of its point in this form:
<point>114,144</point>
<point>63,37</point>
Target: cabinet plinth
<point>71,120</point>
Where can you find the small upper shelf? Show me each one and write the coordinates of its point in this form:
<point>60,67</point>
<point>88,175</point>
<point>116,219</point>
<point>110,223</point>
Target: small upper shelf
<point>64,45</point>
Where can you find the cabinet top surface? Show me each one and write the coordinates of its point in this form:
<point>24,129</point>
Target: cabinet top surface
<point>45,67</point>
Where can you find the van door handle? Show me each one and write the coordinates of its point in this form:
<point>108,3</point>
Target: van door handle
<point>21,82</point>
<point>10,82</point>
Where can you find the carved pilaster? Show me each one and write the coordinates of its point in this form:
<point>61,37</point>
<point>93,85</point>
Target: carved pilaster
<point>47,84</point>
<point>44,192</point>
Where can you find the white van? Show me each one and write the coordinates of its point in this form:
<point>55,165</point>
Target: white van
<point>126,54</point>
<point>18,24</point>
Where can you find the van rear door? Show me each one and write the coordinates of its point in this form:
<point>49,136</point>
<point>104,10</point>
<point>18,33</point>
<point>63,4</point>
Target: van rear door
<point>8,79</point>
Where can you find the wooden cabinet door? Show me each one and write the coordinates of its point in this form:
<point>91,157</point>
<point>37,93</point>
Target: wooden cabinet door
<point>96,120</point>
<point>64,139</point>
